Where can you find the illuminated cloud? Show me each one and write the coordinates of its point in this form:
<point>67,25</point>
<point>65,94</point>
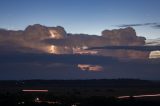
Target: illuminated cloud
<point>88,67</point>
<point>55,40</point>
<point>29,40</point>
<point>155,54</point>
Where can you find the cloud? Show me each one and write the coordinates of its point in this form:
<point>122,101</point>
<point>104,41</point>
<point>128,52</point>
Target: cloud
<point>126,36</point>
<point>42,66</point>
<point>152,25</point>
<point>51,58</point>
<point>137,25</point>
<point>41,39</point>
<point>156,26</point>
<point>137,48</point>
<point>28,40</point>
<point>25,55</point>
<point>88,67</point>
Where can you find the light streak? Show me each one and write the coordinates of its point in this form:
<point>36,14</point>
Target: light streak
<point>34,90</point>
<point>121,97</point>
<point>52,49</point>
<point>139,96</point>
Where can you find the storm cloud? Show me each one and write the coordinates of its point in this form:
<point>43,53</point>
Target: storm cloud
<point>137,25</point>
<point>157,26</point>
<point>42,66</point>
<point>41,39</point>
<point>41,52</point>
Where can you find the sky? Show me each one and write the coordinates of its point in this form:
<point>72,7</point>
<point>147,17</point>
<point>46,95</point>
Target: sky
<point>32,54</point>
<point>83,16</point>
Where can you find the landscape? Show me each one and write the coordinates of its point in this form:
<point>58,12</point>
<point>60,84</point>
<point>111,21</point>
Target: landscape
<point>79,53</point>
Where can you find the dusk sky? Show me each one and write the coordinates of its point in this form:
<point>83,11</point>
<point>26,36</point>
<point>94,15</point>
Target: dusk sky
<point>79,39</point>
<point>83,16</point>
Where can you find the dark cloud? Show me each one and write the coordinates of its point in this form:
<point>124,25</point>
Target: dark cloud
<point>33,66</point>
<point>51,58</point>
<point>137,48</point>
<point>157,26</point>
<point>153,25</point>
<point>136,25</point>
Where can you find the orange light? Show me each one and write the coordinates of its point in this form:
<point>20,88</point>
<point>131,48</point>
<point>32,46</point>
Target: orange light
<point>88,67</point>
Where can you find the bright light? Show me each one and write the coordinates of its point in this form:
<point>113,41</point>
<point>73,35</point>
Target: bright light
<point>52,34</point>
<point>155,54</point>
<point>121,97</point>
<point>37,99</point>
<point>52,49</point>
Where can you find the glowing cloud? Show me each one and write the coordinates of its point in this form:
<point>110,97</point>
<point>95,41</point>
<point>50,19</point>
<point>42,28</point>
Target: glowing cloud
<point>88,67</point>
<point>53,35</point>
<point>155,54</point>
<point>52,47</point>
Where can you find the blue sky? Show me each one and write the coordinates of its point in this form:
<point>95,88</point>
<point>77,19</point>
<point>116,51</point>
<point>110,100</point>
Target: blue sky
<point>83,16</point>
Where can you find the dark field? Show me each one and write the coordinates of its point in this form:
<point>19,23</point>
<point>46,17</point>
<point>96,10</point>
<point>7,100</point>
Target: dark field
<point>79,92</point>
